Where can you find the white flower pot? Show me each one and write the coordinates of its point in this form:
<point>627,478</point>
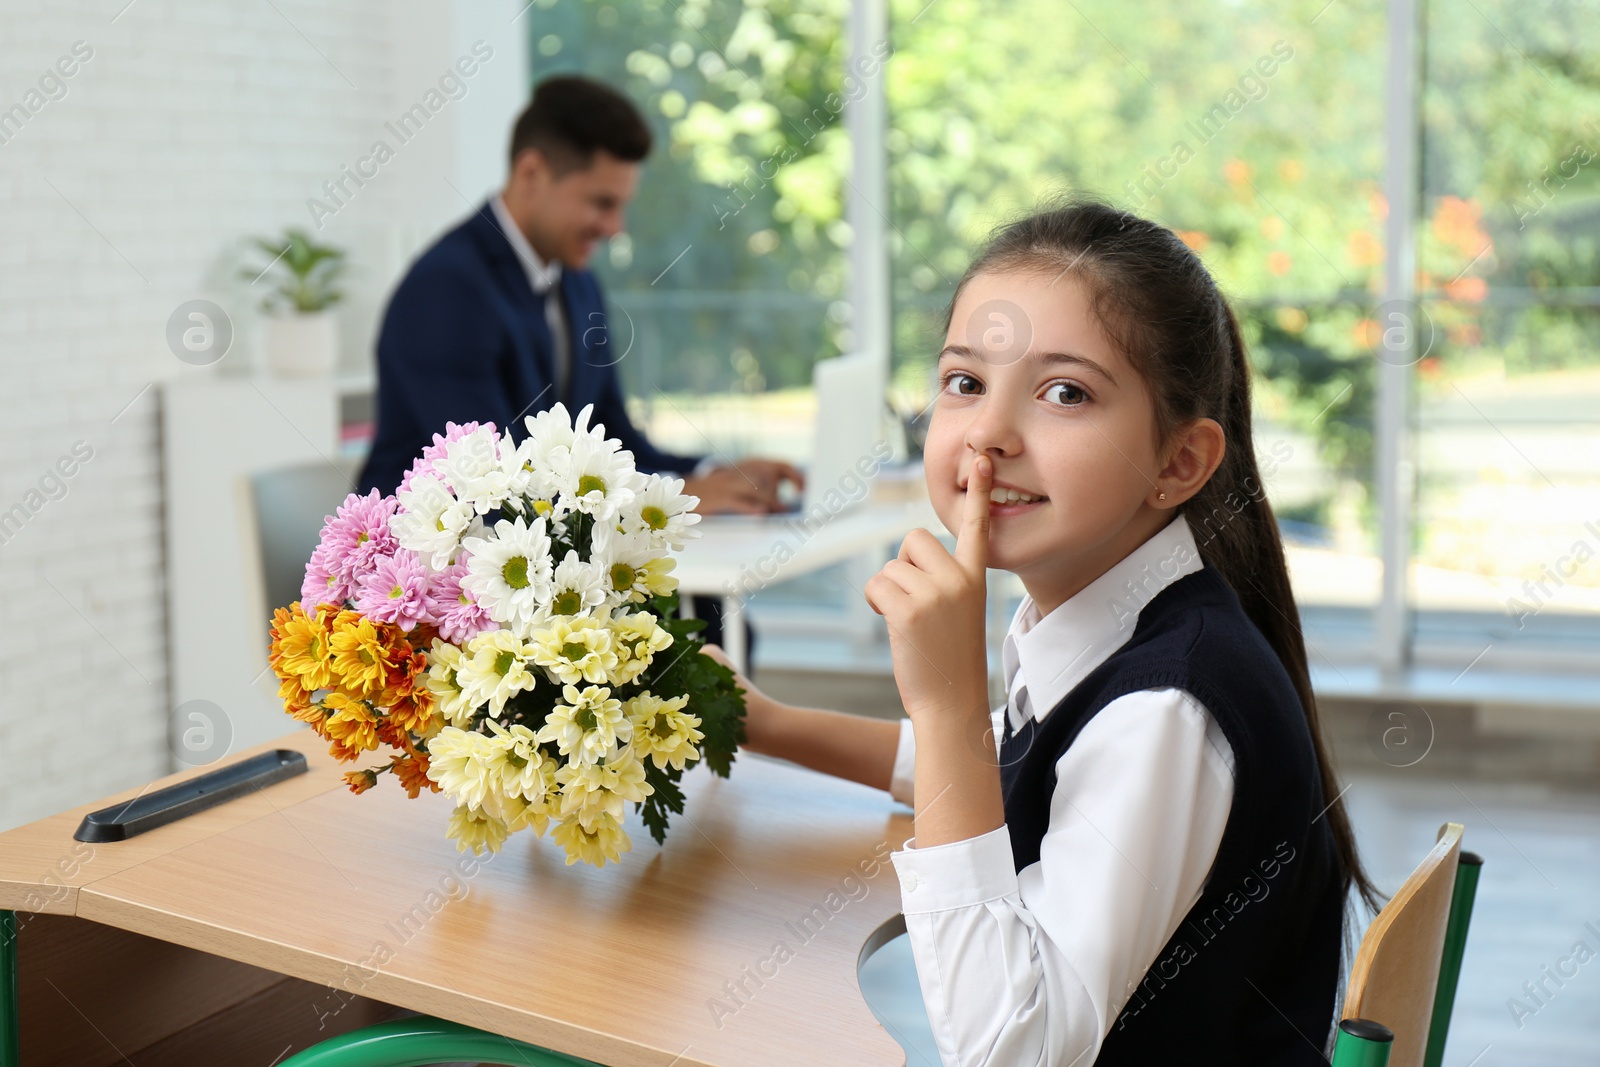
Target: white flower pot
<point>301,344</point>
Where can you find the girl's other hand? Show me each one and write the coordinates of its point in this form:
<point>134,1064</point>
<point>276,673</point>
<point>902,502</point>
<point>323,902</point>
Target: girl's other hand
<point>934,603</point>
<point>760,710</point>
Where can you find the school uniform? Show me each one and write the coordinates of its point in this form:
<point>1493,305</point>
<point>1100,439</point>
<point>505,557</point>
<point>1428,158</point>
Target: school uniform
<point>1165,888</point>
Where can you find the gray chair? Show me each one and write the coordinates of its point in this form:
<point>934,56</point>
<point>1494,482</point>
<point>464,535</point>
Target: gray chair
<point>291,504</point>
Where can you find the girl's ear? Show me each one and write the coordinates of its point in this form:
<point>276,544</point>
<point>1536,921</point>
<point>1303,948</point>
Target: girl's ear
<point>1197,454</point>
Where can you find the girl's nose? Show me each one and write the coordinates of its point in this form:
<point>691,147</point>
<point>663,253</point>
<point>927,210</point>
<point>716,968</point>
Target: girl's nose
<point>993,429</point>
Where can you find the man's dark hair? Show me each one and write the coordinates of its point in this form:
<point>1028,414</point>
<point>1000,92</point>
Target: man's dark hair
<point>571,117</point>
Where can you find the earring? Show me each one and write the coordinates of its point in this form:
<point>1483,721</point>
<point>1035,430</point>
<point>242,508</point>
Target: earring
<point>1162,496</point>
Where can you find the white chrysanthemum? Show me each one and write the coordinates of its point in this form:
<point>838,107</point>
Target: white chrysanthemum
<point>599,478</point>
<point>495,666</point>
<point>509,573</point>
<point>589,726</point>
<point>550,434</point>
<point>471,465</point>
<point>530,475</point>
<point>662,511</point>
<point>636,569</point>
<point>444,661</point>
<point>431,521</point>
<point>576,587</point>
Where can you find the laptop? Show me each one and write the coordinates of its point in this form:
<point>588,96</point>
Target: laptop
<point>848,443</point>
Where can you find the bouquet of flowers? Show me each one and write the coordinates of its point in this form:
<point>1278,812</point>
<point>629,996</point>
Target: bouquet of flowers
<point>506,623</point>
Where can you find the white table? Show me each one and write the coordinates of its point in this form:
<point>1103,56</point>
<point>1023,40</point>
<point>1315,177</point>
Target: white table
<point>737,556</point>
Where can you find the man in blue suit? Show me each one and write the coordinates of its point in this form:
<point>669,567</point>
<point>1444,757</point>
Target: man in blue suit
<point>501,319</point>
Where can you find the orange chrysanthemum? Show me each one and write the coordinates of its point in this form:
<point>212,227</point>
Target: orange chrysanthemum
<point>413,774</point>
<point>395,735</point>
<point>361,781</point>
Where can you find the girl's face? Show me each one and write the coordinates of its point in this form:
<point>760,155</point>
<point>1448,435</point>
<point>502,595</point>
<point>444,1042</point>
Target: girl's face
<point>1027,376</point>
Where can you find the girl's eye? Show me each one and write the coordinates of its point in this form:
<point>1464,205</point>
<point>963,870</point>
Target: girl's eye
<point>1066,394</point>
<point>959,383</point>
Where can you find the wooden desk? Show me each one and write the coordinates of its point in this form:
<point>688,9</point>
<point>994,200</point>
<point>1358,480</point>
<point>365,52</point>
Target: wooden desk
<point>736,943</point>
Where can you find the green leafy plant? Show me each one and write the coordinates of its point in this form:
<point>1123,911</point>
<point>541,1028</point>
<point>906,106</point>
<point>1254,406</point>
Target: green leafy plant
<point>306,273</point>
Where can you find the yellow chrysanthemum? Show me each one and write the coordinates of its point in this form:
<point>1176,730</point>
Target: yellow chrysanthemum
<point>576,649</point>
<point>462,762</point>
<point>589,790</point>
<point>588,726</point>
<point>663,731</point>
<point>360,654</point>
<point>494,667</point>
<point>517,764</point>
<point>297,701</point>
<point>300,647</point>
<point>637,637</point>
<point>603,840</point>
<point>444,661</point>
<point>352,725</point>
<point>471,828</point>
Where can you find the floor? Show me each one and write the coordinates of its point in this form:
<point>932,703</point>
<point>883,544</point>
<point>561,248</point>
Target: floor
<point>1531,807</point>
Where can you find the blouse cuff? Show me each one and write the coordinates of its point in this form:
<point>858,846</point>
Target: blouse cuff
<point>958,874</point>
<point>904,775</point>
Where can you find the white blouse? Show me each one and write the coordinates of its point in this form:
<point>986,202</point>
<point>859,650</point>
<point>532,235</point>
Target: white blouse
<point>1032,968</point>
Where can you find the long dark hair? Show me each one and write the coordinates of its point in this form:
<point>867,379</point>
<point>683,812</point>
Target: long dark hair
<point>1157,302</point>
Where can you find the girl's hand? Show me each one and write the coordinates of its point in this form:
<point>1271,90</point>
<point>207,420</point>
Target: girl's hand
<point>760,711</point>
<point>934,603</point>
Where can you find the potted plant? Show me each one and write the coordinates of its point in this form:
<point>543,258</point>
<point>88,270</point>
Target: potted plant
<point>300,334</point>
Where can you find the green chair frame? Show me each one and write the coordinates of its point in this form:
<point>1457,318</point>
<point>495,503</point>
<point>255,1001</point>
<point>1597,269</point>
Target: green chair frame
<point>1364,1043</point>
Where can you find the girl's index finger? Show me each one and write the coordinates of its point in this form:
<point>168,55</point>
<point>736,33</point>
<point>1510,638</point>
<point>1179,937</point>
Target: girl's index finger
<point>972,541</point>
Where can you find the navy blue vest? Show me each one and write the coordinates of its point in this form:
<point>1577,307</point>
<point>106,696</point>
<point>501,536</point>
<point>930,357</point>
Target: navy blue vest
<point>1252,973</point>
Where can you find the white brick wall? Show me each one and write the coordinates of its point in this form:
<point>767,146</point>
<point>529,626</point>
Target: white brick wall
<point>193,124</point>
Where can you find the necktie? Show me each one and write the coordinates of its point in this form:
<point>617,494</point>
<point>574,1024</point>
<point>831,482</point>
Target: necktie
<point>560,343</point>
<point>1017,707</point>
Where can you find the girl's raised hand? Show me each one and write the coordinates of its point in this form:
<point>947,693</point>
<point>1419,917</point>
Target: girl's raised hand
<point>934,603</point>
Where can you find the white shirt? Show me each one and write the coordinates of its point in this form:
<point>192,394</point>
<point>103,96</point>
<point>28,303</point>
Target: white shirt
<point>1032,968</point>
<point>542,277</point>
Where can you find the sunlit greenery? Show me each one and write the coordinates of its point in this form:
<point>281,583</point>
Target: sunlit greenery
<point>1253,129</point>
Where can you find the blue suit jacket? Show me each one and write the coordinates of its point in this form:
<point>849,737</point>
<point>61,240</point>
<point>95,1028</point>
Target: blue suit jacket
<point>465,338</point>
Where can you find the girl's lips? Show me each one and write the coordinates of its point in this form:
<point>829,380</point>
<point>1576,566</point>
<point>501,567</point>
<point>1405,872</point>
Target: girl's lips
<point>1016,507</point>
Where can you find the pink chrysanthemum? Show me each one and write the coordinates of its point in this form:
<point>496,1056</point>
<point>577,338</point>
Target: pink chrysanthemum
<point>353,539</point>
<point>398,589</point>
<point>323,584</point>
<point>458,616</point>
<point>424,462</point>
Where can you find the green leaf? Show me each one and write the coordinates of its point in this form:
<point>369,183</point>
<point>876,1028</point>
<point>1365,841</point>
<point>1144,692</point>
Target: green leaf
<point>668,796</point>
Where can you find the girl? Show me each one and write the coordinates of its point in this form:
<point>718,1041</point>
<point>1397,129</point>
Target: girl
<point>1152,871</point>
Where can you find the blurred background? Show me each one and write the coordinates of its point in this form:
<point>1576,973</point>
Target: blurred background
<point>1400,198</point>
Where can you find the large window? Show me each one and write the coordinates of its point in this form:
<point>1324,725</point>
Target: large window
<point>730,282</point>
<point>1508,396</point>
<point>1257,131</point>
<point>1253,130</point>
